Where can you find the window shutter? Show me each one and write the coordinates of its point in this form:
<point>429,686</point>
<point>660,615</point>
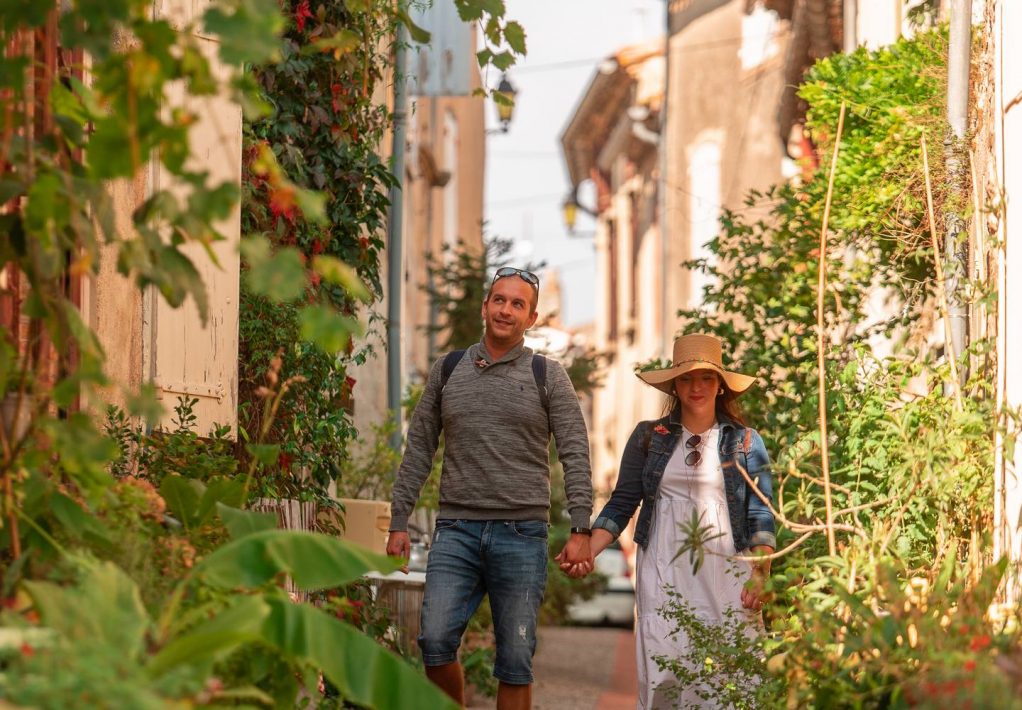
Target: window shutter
<point>186,358</point>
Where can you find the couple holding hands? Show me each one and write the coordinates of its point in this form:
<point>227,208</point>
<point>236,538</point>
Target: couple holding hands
<point>497,405</point>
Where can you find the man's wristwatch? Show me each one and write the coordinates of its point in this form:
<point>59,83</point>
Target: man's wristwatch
<point>581,531</point>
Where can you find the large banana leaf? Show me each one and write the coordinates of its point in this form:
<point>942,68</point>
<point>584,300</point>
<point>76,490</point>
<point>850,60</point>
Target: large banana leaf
<point>104,606</point>
<point>212,640</point>
<point>363,671</point>
<point>194,502</point>
<point>182,496</point>
<point>240,523</point>
<point>313,561</point>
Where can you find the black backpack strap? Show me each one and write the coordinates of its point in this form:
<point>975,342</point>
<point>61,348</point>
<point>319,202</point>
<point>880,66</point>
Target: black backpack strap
<point>539,374</point>
<point>452,359</point>
<point>450,362</point>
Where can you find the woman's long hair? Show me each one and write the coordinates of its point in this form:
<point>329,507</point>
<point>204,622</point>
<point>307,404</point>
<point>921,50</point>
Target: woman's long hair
<point>726,404</point>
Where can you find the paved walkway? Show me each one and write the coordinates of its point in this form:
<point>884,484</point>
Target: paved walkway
<point>581,669</point>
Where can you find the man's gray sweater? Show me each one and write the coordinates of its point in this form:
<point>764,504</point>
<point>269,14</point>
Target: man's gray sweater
<point>496,434</point>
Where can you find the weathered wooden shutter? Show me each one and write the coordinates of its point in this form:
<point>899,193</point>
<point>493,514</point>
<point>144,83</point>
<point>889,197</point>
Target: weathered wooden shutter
<point>185,358</point>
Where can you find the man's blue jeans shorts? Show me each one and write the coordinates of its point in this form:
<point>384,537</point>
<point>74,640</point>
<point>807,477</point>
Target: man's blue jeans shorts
<point>503,558</point>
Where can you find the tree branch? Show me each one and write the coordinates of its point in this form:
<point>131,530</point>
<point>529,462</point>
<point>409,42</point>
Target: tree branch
<point>821,339</point>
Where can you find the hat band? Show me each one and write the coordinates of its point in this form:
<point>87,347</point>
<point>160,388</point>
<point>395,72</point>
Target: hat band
<point>698,359</point>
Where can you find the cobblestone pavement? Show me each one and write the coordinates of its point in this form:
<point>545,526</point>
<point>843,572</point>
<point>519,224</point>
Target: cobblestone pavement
<point>581,669</point>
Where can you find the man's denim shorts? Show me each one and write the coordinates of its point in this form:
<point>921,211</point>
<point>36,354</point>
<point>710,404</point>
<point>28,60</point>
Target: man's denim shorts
<point>503,558</point>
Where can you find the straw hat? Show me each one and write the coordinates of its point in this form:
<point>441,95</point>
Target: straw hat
<point>696,352</point>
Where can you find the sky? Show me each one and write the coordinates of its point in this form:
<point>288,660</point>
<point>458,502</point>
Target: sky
<point>526,177</point>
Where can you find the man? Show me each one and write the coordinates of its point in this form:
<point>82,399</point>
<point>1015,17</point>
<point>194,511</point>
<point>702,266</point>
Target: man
<point>491,531</point>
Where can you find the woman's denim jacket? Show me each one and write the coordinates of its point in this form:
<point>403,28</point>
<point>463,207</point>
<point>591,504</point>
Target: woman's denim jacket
<point>638,481</point>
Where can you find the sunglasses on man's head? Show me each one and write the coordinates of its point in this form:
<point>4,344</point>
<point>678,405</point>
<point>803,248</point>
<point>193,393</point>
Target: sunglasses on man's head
<point>526,276</point>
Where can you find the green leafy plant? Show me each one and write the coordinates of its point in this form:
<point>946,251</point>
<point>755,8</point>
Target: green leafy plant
<point>369,474</point>
<point>173,657</point>
<point>120,586</point>
<point>179,450</point>
<point>309,272</point>
<point>909,480</point>
<point>477,660</point>
<point>723,663</point>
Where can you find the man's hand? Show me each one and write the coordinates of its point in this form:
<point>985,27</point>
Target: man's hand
<point>400,545</point>
<point>576,559</point>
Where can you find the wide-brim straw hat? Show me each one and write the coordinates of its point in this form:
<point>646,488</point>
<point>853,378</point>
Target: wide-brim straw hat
<point>696,352</point>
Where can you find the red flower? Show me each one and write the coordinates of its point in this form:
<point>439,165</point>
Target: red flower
<point>302,13</point>
<point>970,665</point>
<point>979,642</point>
<point>349,383</point>
<point>660,429</point>
<point>26,650</point>
<point>317,246</point>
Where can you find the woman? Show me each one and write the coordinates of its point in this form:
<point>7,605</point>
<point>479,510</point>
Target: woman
<point>683,464</point>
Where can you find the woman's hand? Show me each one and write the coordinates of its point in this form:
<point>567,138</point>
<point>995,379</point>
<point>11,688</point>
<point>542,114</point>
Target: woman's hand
<point>597,543</point>
<point>576,559</point>
<point>753,593</point>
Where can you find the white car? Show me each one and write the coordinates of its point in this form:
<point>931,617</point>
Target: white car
<point>615,603</point>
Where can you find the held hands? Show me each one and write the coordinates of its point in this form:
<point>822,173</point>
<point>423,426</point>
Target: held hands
<point>576,559</point>
<point>400,545</point>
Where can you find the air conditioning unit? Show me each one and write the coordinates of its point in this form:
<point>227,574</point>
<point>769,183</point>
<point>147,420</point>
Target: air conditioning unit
<point>366,523</point>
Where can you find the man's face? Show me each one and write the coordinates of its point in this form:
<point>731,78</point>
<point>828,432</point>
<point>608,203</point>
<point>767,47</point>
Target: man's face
<point>508,310</point>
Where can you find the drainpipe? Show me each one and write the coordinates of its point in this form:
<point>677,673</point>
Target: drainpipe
<point>395,251</point>
<point>956,245</point>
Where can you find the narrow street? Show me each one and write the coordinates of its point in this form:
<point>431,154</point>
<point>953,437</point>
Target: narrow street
<point>581,669</point>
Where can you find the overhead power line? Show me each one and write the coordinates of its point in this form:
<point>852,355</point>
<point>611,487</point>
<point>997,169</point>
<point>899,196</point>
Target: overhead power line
<point>694,47</point>
<point>524,200</point>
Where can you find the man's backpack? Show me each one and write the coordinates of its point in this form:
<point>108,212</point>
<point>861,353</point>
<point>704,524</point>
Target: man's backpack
<point>452,359</point>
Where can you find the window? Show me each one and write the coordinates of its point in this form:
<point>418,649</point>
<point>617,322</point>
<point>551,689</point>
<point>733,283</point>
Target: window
<point>759,37</point>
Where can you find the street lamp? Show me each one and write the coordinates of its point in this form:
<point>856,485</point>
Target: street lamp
<point>505,103</point>
<point>570,209</point>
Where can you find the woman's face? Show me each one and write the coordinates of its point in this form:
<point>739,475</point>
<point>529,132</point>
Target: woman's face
<point>697,390</point>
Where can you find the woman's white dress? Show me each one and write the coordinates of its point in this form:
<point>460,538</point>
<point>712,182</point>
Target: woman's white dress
<point>717,585</point>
